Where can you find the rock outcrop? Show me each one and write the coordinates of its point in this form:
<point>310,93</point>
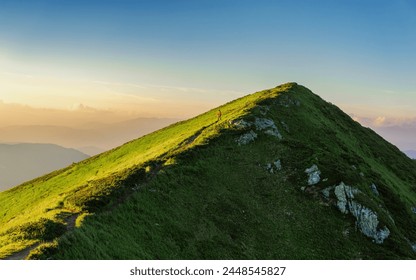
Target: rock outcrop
<point>313,175</point>
<point>241,124</point>
<point>344,193</point>
<point>366,219</point>
<point>367,222</point>
<point>266,126</point>
<point>274,167</point>
<point>374,189</point>
<point>247,138</point>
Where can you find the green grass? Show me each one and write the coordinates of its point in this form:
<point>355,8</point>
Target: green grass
<point>214,199</point>
<point>234,210</point>
<point>85,186</point>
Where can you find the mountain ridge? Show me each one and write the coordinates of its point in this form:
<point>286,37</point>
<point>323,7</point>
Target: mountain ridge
<point>282,174</point>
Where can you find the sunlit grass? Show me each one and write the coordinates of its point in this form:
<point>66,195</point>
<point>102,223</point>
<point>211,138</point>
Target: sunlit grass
<point>217,200</point>
<point>49,196</point>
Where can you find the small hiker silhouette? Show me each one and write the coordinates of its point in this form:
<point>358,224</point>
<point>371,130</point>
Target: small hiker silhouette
<point>219,114</point>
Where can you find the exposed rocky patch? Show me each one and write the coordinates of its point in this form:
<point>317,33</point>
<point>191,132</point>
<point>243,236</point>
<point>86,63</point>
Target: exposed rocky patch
<point>367,222</point>
<point>313,175</point>
<point>374,189</point>
<point>366,219</point>
<point>241,124</point>
<point>267,126</point>
<point>327,192</point>
<point>344,193</point>
<point>274,166</point>
<point>247,138</point>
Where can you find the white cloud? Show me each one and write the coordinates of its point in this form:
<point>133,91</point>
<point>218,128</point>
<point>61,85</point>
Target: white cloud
<point>398,131</point>
<point>81,107</point>
<point>379,121</point>
<point>384,121</point>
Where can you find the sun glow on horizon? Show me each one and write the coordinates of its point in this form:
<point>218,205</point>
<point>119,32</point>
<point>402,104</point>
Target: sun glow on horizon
<point>122,98</point>
<point>145,58</point>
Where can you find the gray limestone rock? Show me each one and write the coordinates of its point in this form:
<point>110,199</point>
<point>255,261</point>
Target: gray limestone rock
<point>241,124</point>
<point>246,138</point>
<point>262,123</point>
<point>268,126</point>
<point>269,168</point>
<point>374,189</point>
<point>278,165</point>
<point>342,198</point>
<point>275,166</point>
<point>366,219</point>
<point>327,192</point>
<point>344,193</point>
<point>313,175</point>
<point>274,132</point>
<point>367,222</point>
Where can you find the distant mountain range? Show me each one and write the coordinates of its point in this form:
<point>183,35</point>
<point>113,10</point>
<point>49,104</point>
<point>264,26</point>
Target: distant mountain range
<point>23,162</point>
<point>91,138</point>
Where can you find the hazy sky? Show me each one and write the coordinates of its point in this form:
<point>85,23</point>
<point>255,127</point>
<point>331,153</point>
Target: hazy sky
<point>178,58</point>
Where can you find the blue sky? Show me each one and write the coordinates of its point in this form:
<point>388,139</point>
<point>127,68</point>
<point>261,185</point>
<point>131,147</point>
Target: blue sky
<point>356,54</point>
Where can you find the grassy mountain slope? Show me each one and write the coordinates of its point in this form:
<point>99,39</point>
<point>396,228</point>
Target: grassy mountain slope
<point>191,191</point>
<point>86,186</point>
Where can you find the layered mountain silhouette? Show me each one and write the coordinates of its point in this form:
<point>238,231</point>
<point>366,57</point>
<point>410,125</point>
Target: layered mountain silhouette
<point>282,174</point>
<point>91,138</point>
<point>24,161</point>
